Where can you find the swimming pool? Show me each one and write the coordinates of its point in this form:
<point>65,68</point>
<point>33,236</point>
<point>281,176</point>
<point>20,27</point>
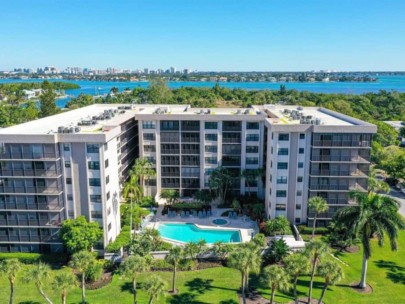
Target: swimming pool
<point>191,233</point>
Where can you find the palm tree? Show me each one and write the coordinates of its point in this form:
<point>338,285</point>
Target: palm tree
<point>245,260</point>
<point>279,224</point>
<point>332,272</point>
<point>219,182</point>
<point>376,215</point>
<point>154,287</point>
<point>132,267</point>
<point>38,274</point>
<point>11,268</point>
<point>375,185</point>
<point>279,250</point>
<point>132,190</point>
<point>144,170</point>
<point>174,257</point>
<point>64,281</point>
<point>318,205</point>
<point>81,262</point>
<point>221,249</point>
<point>296,264</point>
<point>203,196</point>
<point>251,176</point>
<point>315,249</point>
<point>276,278</point>
<point>170,195</point>
<point>154,236</point>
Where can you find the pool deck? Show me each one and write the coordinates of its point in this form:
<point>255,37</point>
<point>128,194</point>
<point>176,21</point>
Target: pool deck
<point>246,226</point>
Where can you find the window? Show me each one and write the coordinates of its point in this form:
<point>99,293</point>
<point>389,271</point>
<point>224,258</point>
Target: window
<point>283,137</point>
<point>280,207</point>
<point>66,147</point>
<point>302,136</point>
<point>252,149</point>
<point>252,137</point>
<point>149,125</point>
<point>211,137</point>
<point>297,220</point>
<point>107,179</point>
<point>211,160</point>
<point>282,166</point>
<point>109,227</point>
<point>298,206</point>
<point>92,148</point>
<point>169,125</point>
<point>95,198</point>
<point>282,180</point>
<point>299,179</point>
<point>281,193</point>
<point>252,125</point>
<point>67,164</point>
<point>106,163</point>
<point>148,148</point>
<point>94,182</point>
<point>301,151</point>
<point>212,149</point>
<point>210,125</point>
<point>96,214</point>
<point>108,195</point>
<point>300,165</point>
<point>282,151</point>
<point>68,181</point>
<point>252,161</point>
<point>69,197</point>
<point>148,136</point>
<point>299,193</point>
<point>105,146</point>
<point>93,165</point>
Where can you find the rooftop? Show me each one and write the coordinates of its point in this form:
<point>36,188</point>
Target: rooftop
<point>295,115</point>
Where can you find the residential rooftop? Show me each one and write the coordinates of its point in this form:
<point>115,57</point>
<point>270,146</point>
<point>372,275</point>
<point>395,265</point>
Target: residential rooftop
<point>100,118</point>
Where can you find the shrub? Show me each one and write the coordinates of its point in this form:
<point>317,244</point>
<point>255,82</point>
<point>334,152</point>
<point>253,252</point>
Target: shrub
<point>122,240</point>
<point>33,258</point>
<point>95,271</point>
<point>308,230</point>
<point>148,201</point>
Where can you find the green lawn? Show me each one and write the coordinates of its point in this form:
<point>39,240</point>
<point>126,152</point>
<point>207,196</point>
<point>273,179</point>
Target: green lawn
<point>215,285</point>
<point>219,285</point>
<point>386,274</point>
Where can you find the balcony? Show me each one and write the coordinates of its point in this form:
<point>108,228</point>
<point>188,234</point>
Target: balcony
<point>338,158</point>
<point>337,187</point>
<point>30,238</point>
<point>37,207</point>
<point>343,143</point>
<point>171,185</point>
<point>38,190</point>
<point>31,172</point>
<point>10,155</point>
<point>346,173</point>
<point>30,222</point>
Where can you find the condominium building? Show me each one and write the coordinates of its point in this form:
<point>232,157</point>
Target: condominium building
<point>75,163</point>
<point>61,167</point>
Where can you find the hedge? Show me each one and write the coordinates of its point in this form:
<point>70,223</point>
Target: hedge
<point>33,258</point>
<point>308,230</point>
<point>122,240</point>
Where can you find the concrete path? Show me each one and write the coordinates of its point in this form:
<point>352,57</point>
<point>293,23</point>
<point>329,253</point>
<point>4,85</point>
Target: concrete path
<point>400,197</point>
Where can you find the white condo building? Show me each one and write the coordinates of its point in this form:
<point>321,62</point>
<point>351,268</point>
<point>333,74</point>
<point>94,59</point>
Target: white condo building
<point>75,163</point>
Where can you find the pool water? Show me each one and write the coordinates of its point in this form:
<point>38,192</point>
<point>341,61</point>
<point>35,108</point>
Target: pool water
<point>220,222</point>
<point>191,233</point>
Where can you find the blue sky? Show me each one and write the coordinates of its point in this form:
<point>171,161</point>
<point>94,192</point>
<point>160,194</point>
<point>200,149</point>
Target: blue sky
<point>221,35</point>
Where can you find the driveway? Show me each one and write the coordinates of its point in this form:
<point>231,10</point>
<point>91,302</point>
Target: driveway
<point>400,197</point>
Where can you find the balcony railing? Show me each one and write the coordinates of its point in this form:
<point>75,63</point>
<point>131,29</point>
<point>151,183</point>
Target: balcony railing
<point>31,172</point>
<point>343,143</point>
<point>190,151</point>
<point>41,190</point>
<point>15,155</point>
<point>44,207</point>
<point>29,222</point>
<point>170,185</point>
<point>337,187</point>
<point>342,158</point>
<point>339,173</point>
<point>30,238</point>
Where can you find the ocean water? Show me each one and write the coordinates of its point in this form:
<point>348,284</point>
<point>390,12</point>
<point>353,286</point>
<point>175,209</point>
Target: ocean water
<point>191,233</point>
<point>387,83</point>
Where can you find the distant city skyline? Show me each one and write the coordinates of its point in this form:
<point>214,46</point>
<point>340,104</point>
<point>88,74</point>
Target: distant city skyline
<point>208,35</point>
